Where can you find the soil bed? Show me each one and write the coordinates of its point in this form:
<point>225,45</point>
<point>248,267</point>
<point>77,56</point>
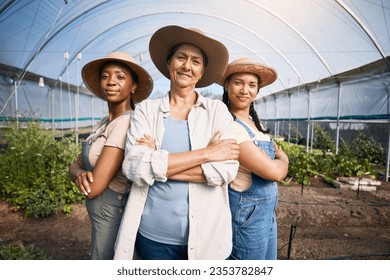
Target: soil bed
<point>329,223</point>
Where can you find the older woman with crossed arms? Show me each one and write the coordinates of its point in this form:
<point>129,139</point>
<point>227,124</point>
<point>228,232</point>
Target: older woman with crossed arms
<point>180,155</point>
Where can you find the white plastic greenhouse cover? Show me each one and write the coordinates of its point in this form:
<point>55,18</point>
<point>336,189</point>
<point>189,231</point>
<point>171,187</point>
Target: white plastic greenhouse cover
<point>306,41</point>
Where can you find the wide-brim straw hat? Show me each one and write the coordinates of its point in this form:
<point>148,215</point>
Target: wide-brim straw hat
<point>166,37</point>
<point>92,70</point>
<point>267,74</point>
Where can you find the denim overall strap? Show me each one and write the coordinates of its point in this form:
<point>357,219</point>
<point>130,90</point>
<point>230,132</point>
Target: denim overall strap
<point>86,145</point>
<point>85,148</point>
<point>250,132</point>
<point>253,213</point>
<point>267,146</point>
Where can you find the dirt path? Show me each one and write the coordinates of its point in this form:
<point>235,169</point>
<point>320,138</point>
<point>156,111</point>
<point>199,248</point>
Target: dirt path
<point>330,224</point>
<point>334,223</point>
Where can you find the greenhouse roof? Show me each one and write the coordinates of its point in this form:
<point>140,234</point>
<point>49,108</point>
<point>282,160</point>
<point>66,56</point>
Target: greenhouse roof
<point>304,40</point>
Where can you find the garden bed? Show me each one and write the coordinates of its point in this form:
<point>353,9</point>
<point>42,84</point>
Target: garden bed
<point>330,223</point>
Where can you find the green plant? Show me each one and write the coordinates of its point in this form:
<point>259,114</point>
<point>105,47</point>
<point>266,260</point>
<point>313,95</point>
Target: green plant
<point>34,171</point>
<point>322,140</point>
<point>304,165</point>
<point>364,147</point>
<point>30,252</point>
<point>301,164</point>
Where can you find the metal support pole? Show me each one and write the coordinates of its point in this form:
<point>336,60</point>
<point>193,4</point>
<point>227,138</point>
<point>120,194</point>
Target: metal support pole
<point>61,108</point>
<point>290,239</point>
<point>312,136</point>
<point>308,120</point>
<point>77,101</point>
<point>293,229</point>
<point>16,104</point>
<point>276,117</point>
<point>289,117</point>
<point>388,138</point>
<point>358,187</point>
<point>52,109</point>
<point>338,119</point>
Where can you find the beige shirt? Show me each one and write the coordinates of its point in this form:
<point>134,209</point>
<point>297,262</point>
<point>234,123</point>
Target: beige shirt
<point>210,231</point>
<point>244,176</point>
<point>113,136</point>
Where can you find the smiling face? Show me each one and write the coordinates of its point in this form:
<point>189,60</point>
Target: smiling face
<point>186,66</point>
<point>116,82</point>
<point>242,90</point>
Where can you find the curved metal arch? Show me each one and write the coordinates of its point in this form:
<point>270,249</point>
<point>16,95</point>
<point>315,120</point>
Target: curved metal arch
<point>299,34</point>
<point>59,30</point>
<point>203,14</point>
<point>364,28</point>
<point>225,37</point>
<point>7,5</point>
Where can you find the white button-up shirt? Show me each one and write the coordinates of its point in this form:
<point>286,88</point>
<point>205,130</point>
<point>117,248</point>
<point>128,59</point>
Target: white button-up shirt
<point>210,231</point>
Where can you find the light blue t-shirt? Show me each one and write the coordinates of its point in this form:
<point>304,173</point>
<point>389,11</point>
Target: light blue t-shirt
<point>165,216</point>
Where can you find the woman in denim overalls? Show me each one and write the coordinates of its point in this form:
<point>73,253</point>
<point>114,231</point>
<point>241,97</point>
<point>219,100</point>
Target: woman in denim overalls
<point>253,195</point>
<point>97,172</point>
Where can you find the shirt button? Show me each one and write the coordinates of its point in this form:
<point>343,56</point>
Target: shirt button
<point>120,210</point>
<point>120,197</point>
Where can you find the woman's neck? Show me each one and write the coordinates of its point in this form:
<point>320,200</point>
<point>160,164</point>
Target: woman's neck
<point>241,114</point>
<point>187,93</point>
<point>181,102</point>
<point>117,109</point>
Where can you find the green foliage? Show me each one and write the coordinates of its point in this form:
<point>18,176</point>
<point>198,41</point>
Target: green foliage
<point>322,140</point>
<point>304,165</point>
<point>34,171</point>
<point>364,147</point>
<point>30,252</point>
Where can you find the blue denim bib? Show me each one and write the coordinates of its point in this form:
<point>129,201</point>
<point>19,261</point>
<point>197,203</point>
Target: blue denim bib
<point>253,213</point>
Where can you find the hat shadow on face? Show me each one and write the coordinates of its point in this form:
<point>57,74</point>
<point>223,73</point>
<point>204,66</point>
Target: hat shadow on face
<point>164,39</point>
<point>92,70</point>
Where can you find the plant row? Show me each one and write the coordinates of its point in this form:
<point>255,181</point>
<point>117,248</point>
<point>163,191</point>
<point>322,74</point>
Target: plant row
<point>34,166</point>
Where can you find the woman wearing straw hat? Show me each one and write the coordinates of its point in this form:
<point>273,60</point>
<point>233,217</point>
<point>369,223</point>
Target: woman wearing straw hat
<point>253,194</point>
<point>178,206</point>
<point>120,81</point>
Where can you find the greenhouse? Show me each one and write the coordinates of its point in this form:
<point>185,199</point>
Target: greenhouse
<point>331,57</point>
<point>320,178</point>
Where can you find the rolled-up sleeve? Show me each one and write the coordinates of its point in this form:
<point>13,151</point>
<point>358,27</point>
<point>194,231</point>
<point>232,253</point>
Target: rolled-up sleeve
<point>141,164</point>
<point>220,173</point>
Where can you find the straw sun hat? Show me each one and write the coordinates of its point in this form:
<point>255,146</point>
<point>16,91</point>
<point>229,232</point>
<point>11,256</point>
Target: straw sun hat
<point>91,75</point>
<point>166,37</point>
<point>266,73</point>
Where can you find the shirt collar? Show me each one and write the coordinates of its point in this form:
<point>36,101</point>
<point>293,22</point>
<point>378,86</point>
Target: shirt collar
<point>201,101</point>
<point>164,107</point>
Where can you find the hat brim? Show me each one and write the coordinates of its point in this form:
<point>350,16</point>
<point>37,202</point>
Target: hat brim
<point>267,74</point>
<point>91,77</point>
<point>165,38</point>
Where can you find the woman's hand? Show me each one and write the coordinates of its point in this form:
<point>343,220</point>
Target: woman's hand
<point>147,141</point>
<point>84,178</point>
<point>220,150</point>
<point>279,153</point>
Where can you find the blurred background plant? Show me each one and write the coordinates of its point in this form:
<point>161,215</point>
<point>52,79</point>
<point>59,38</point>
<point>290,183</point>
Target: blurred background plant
<point>34,170</point>
<point>357,159</point>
